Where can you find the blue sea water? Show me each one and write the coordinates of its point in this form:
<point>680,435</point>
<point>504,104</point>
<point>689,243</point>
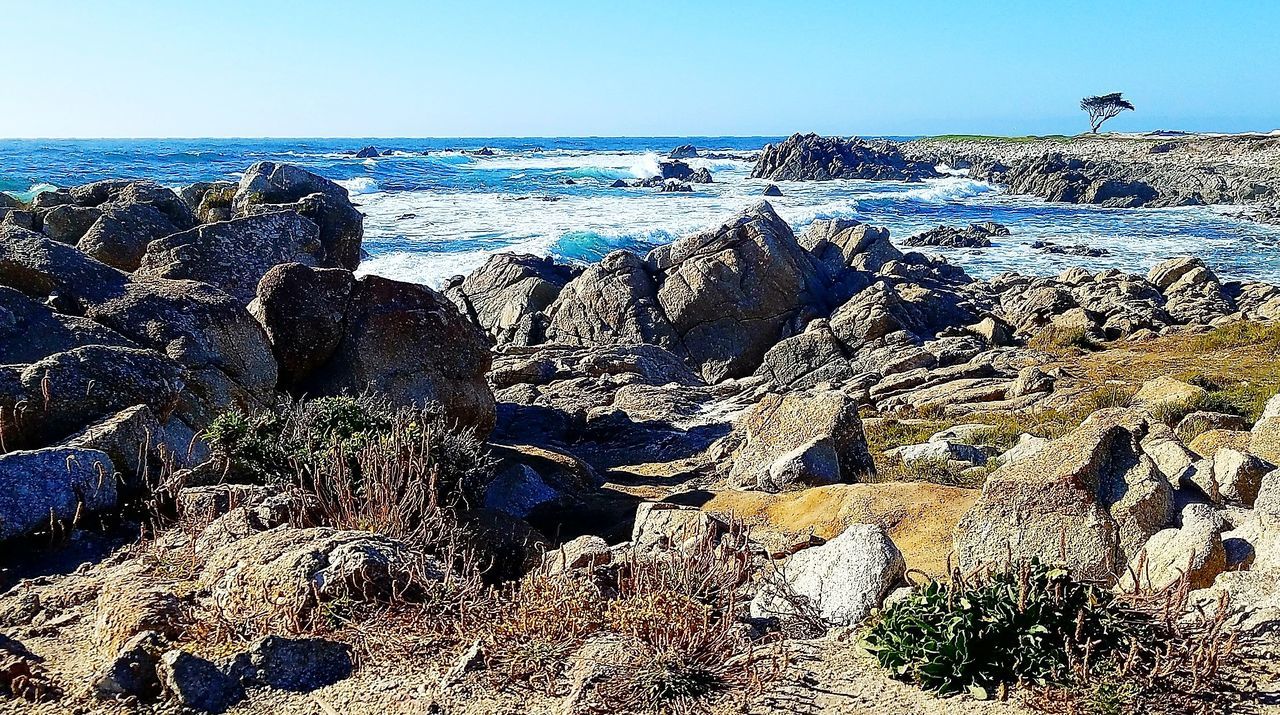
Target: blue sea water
<point>434,208</point>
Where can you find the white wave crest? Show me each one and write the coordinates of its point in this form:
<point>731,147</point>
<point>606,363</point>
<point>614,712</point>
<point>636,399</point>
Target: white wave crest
<point>948,189</point>
<point>359,185</point>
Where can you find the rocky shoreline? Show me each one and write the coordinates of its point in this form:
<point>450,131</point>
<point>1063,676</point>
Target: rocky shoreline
<point>1120,170</point>
<point>621,401</point>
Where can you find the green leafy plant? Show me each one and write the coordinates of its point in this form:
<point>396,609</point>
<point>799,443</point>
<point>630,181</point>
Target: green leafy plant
<point>1024,625</point>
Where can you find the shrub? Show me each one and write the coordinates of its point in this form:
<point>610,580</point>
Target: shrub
<point>333,439</point>
<point>1014,627</point>
<point>1033,624</point>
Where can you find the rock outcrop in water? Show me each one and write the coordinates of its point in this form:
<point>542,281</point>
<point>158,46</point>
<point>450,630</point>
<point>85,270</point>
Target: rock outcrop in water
<point>1123,172</point>
<point>977,235</point>
<point>809,157</point>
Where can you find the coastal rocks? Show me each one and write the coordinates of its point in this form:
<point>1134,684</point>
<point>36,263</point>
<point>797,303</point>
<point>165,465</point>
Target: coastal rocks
<point>132,672</point>
<point>226,355</point>
<point>843,580</point>
<point>139,446</point>
<point>772,190</point>
<point>613,302</point>
<point>210,201</point>
<point>1056,177</point>
<point>30,330</point>
<point>273,187</point>
<point>69,223</point>
<point>842,244</point>
<point>1075,249</point>
<point>799,439</point>
<point>732,292</point>
<point>67,391</point>
<point>1165,391</point>
<point>446,367</point>
<point>1093,498</point>
<point>298,665</point>
<point>809,157</point>
<point>303,312</point>
<point>235,255</point>
<point>673,169</point>
<point>888,307</point>
<point>46,269</point>
<point>1111,304</point>
<point>664,527</point>
<point>124,611</point>
<point>1193,550</point>
<point>369,152</point>
<point>977,235</point>
<point>1192,292</point>
<point>302,568</point>
<point>684,151</point>
<point>120,237</point>
<point>197,684</point>
<point>805,360</point>
<point>509,295</point>
<point>52,484</point>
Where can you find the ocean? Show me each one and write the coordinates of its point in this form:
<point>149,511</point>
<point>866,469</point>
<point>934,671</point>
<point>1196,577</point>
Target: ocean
<point>434,208</point>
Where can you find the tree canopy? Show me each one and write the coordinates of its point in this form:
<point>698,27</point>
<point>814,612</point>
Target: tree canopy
<point>1104,107</point>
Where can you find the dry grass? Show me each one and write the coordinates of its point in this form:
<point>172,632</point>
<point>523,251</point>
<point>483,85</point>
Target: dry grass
<point>1237,363</point>
<point>672,618</point>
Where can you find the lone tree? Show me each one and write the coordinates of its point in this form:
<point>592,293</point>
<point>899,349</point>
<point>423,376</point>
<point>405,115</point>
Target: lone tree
<point>1104,107</point>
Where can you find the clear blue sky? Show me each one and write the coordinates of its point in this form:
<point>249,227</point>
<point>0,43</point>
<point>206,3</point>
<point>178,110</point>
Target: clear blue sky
<point>134,68</point>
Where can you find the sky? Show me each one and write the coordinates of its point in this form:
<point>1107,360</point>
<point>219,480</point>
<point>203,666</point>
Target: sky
<point>478,68</point>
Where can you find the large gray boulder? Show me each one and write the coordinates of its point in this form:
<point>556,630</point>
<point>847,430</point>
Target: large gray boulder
<point>303,311</point>
<point>799,439</point>
<point>804,360</point>
<point>888,307</point>
<point>844,243</point>
<point>43,268</point>
<point>68,391</point>
<point>57,483</point>
<point>227,357</point>
<point>30,330</point>
<point>120,236</point>
<point>68,223</point>
<point>234,255</point>
<point>272,187</point>
<point>732,292</point>
<point>1194,551</point>
<point>840,582</point>
<point>412,345</point>
<point>613,302</point>
<point>508,296</point>
<point>303,568</point>
<point>1091,499</point>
